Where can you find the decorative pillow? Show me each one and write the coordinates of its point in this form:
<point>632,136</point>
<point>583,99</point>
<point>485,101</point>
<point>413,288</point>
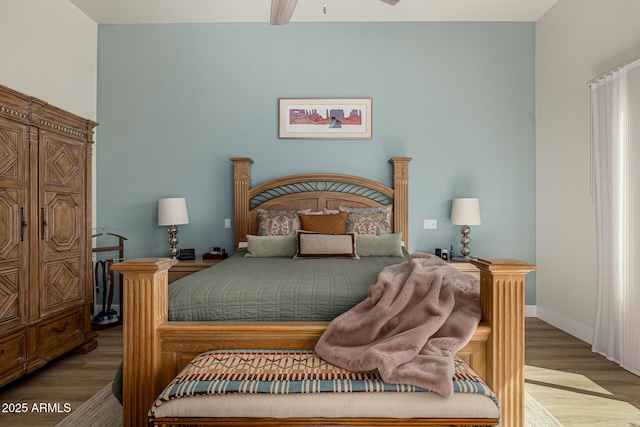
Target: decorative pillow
<point>316,245</point>
<point>375,220</point>
<point>327,224</point>
<point>383,245</point>
<point>330,211</point>
<point>270,246</point>
<point>279,222</point>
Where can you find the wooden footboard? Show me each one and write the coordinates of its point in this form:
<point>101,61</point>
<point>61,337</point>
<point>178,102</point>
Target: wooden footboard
<point>154,349</point>
<point>502,299</point>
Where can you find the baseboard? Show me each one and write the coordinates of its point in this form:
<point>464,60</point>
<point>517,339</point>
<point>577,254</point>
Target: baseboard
<point>530,311</point>
<point>565,324</point>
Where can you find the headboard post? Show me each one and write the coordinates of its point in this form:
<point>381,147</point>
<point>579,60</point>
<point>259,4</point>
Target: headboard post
<point>241,184</point>
<point>401,196</point>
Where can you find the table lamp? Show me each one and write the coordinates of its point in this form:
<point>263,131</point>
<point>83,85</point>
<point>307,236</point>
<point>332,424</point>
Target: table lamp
<point>173,212</point>
<point>465,212</point>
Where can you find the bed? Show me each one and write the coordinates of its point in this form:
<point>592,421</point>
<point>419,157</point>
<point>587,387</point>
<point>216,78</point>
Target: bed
<point>155,349</point>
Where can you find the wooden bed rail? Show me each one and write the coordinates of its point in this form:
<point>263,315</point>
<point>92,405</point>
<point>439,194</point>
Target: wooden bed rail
<point>149,364</point>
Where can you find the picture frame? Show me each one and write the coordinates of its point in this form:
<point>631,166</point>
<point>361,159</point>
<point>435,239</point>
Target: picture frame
<point>325,118</point>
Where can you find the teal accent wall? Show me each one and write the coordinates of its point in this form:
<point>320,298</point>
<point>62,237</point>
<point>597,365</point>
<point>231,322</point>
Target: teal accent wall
<point>175,102</point>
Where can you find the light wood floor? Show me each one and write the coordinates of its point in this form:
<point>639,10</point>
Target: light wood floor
<point>577,386</point>
<point>72,379</point>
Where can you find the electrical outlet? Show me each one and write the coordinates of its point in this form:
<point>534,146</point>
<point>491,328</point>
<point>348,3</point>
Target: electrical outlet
<point>227,223</point>
<point>429,224</point>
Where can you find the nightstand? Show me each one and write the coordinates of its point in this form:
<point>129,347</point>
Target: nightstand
<point>465,267</point>
<point>186,267</point>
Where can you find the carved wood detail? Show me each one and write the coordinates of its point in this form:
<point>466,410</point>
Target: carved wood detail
<point>401,196</point>
<point>9,295</point>
<point>242,181</point>
<point>62,285</point>
<point>63,163</point>
<point>317,191</point>
<point>502,298</point>
<point>13,198</point>
<point>145,290</point>
<point>63,217</point>
<point>9,224</point>
<point>45,231</point>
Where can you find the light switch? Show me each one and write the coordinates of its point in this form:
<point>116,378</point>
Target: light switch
<point>430,224</point>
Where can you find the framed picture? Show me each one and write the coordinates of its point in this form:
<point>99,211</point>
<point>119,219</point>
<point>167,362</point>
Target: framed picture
<point>330,118</point>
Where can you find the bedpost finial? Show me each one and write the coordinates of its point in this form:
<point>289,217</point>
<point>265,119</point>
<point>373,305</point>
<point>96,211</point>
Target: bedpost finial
<point>241,168</point>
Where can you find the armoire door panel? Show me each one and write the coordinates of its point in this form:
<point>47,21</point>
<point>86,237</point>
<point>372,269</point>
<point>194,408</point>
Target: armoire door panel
<point>61,222</point>
<point>13,221</point>
<point>9,295</point>
<point>12,137</point>
<point>62,287</point>
<point>63,162</point>
<point>10,225</point>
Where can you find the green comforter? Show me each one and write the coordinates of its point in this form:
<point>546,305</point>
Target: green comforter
<point>274,289</point>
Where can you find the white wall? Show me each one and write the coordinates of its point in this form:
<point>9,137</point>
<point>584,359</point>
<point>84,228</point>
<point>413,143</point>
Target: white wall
<point>49,50</point>
<point>575,41</point>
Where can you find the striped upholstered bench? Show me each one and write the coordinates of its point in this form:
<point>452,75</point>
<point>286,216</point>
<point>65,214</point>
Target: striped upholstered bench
<point>282,387</point>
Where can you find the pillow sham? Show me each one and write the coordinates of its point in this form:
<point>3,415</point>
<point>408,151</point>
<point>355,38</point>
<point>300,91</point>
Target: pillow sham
<point>317,245</point>
<point>270,246</point>
<point>382,245</point>
<point>279,222</point>
<point>326,224</point>
<point>374,220</point>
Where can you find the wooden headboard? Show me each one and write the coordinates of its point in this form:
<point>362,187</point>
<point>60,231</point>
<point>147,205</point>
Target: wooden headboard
<point>316,191</point>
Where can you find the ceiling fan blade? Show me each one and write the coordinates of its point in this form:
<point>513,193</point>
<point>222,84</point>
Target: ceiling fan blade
<point>281,11</point>
<point>391,2</point>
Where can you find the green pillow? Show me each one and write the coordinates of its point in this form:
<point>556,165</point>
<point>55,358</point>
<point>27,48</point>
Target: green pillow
<point>270,246</point>
<point>382,245</point>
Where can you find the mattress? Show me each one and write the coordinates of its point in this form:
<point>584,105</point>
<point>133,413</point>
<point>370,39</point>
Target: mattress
<point>274,289</point>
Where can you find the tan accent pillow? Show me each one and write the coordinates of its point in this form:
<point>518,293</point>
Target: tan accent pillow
<point>326,224</point>
<point>315,245</point>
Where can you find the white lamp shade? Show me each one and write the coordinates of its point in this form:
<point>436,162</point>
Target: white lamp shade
<point>173,211</point>
<point>465,211</point>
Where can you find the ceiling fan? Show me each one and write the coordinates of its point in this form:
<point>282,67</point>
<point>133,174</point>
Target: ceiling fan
<point>281,10</point>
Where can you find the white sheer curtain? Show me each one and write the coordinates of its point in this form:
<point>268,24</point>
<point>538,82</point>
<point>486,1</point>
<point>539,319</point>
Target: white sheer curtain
<point>615,104</point>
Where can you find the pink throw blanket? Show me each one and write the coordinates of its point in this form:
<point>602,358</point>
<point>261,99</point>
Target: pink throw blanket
<point>417,315</point>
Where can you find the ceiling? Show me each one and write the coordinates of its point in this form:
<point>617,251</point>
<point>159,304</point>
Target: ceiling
<point>182,11</point>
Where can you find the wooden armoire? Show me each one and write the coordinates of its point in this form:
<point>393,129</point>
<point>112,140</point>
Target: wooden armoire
<point>46,290</point>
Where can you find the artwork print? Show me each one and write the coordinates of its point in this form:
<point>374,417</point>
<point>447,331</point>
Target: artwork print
<point>339,118</point>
